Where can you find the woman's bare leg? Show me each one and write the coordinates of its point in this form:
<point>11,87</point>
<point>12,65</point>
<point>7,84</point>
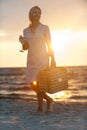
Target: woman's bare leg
<point>49,101</point>
<point>40,101</point>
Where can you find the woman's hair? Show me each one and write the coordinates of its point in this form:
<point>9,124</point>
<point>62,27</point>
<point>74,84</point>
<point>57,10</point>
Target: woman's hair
<point>34,7</point>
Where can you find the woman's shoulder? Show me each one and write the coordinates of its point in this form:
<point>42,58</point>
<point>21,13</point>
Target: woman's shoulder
<point>44,26</point>
<point>26,29</point>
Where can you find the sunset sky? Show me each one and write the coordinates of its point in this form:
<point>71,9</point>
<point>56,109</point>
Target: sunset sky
<point>67,20</point>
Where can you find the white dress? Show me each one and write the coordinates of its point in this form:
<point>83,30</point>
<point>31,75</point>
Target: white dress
<point>37,58</point>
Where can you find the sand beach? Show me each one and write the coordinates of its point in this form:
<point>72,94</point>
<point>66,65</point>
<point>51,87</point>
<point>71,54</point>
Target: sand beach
<point>22,115</point>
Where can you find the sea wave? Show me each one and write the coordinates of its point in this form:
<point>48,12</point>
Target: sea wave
<point>13,85</point>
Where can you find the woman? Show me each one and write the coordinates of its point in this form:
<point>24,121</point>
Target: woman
<point>36,38</point>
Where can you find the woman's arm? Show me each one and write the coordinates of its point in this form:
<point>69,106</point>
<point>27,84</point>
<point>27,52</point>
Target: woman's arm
<point>48,42</point>
<point>49,46</point>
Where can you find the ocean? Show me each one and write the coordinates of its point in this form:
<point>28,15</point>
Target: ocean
<point>13,80</point>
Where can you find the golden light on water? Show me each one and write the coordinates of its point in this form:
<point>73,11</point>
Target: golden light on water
<point>59,96</point>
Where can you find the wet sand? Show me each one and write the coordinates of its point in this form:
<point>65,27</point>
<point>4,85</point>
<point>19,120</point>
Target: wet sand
<point>22,115</point>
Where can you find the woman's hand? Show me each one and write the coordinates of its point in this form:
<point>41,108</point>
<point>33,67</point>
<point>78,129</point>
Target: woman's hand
<point>24,43</point>
<point>22,39</point>
<point>53,62</point>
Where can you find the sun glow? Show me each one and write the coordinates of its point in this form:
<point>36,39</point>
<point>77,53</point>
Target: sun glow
<point>70,48</point>
<point>60,39</point>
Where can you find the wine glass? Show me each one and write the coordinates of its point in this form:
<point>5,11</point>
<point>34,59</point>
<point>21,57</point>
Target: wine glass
<point>21,40</point>
<point>21,50</point>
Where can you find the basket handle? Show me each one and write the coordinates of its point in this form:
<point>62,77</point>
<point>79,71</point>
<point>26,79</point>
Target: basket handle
<point>53,62</point>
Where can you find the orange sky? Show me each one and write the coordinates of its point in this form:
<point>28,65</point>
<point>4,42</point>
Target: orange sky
<point>67,20</point>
